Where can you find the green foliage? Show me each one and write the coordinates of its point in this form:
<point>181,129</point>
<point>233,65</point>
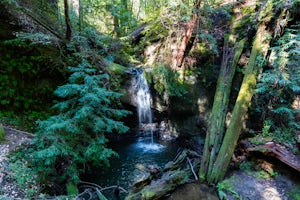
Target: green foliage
<point>295,192</point>
<point>26,77</point>
<point>167,80</point>
<point>30,39</point>
<point>101,13</point>
<point>279,86</point>
<point>68,143</point>
<point>209,15</point>
<point>226,187</point>
<point>101,51</point>
<point>2,133</point>
<point>72,189</point>
<point>161,16</point>
<point>25,177</point>
<point>210,42</point>
<point>254,169</point>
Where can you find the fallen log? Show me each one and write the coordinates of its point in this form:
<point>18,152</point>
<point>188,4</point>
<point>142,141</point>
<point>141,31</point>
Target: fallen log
<point>278,151</point>
<point>158,188</point>
<point>174,174</point>
<point>180,158</point>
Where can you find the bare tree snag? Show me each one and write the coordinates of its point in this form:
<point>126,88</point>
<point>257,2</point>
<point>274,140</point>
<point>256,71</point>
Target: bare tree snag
<point>260,47</point>
<point>216,128</point>
<point>179,53</point>
<point>68,21</point>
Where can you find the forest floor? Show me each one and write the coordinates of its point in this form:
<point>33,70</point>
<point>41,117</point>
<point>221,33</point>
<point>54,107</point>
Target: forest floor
<point>257,185</point>
<point>257,179</point>
<point>246,184</point>
<point>9,188</point>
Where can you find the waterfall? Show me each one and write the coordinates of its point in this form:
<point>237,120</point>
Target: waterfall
<point>143,101</point>
<point>142,98</point>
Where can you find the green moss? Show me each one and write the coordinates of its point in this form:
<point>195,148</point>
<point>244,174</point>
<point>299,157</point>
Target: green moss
<point>226,187</point>
<point>115,68</point>
<point>149,194</point>
<point>248,10</point>
<point>72,189</point>
<point>295,193</point>
<point>2,133</point>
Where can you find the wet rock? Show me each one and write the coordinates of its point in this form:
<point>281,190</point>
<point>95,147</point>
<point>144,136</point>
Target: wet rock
<point>141,179</point>
<point>193,191</point>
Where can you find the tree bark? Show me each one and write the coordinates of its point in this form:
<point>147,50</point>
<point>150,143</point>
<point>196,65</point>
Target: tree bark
<point>178,55</point>
<point>216,128</point>
<point>278,151</point>
<point>67,21</point>
<point>81,15</point>
<point>260,47</point>
<point>158,188</point>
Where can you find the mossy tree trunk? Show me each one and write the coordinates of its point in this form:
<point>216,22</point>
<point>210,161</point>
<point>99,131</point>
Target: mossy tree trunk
<point>81,15</point>
<point>219,147</point>
<point>216,128</point>
<point>260,48</point>
<point>231,53</point>
<point>216,161</point>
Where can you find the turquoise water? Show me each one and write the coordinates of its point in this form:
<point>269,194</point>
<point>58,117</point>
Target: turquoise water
<point>131,152</point>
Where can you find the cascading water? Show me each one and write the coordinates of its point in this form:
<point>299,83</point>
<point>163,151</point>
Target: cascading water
<point>135,150</point>
<point>143,101</point>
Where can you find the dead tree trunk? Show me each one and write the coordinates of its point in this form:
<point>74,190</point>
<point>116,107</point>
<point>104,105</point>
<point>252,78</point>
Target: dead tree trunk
<point>180,52</point>
<point>68,21</point>
<point>260,48</point>
<point>216,128</point>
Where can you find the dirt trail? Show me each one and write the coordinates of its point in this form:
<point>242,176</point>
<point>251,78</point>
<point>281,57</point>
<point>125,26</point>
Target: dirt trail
<point>8,187</point>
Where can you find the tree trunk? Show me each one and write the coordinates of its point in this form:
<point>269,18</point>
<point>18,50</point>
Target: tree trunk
<point>278,151</point>
<point>260,47</point>
<point>216,158</point>
<point>216,128</point>
<point>178,55</point>
<point>68,21</point>
<point>81,14</point>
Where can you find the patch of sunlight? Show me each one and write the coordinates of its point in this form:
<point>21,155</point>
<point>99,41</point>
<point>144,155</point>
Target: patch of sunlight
<point>296,103</point>
<point>270,193</point>
<point>202,104</point>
